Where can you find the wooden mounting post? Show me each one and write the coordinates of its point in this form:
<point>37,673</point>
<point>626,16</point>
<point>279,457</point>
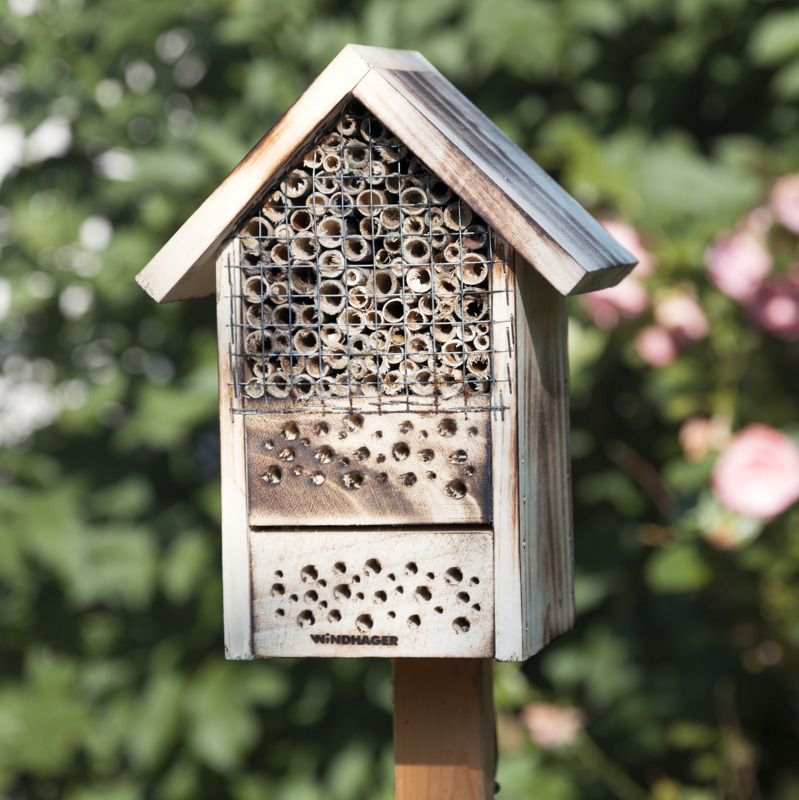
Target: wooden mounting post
<point>444,739</point>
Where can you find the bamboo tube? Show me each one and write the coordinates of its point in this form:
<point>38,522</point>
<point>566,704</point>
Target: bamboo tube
<point>360,366</point>
<point>353,184</point>
<point>255,289</point>
<point>332,296</point>
<point>361,298</point>
<point>332,140</point>
<point>304,247</point>
<point>258,228</point>
<point>359,344</point>
<point>356,154</point>
<point>254,389</point>
<point>353,319</point>
<point>416,250</point>
<point>468,333</point>
<point>370,201</point>
<point>474,269</point>
<point>444,331</point>
<point>326,184</point>
<point>347,125</point>
<point>414,226</point>
<point>279,292</point>
<point>313,158</point>
<point>336,355</point>
<point>474,384</point>
<point>385,283</point>
<point>277,384</point>
<point>291,365</point>
<point>390,218</point>
<point>261,366</point>
<point>420,347</point>
<point>340,386</point>
<point>446,285</point>
<point>475,307</point>
<point>303,279</point>
<point>393,183</point>
<point>419,279</point>
<point>457,216</point>
<point>329,231</point>
<point>475,236</point>
<point>479,364</point>
<point>304,387</point>
<point>450,384</point>
<point>379,340</point>
<point>340,204</point>
<point>440,193</point>
<point>377,174</point>
<point>396,333</point>
<point>395,354</point>
<point>330,335</point>
<point>482,342</point>
<point>445,309</point>
<point>306,341</point>
<point>275,206</point>
<point>415,320</point>
<point>331,263</point>
<point>436,216</point>
<point>301,220</point>
<point>372,130</point>
<point>392,243</point>
<point>370,385</point>
<point>331,163</point>
<point>282,340</point>
<point>426,305</point>
<point>296,183</point>
<point>393,383</point>
<point>414,200</point>
<point>308,315</point>
<point>370,227</point>
<point>392,151</point>
<point>356,277</point>
<point>452,352</point>
<point>356,248</point>
<point>284,314</point>
<point>317,367</point>
<point>317,203</point>
<point>280,253</point>
<point>394,311</point>
<point>259,343</point>
<point>452,252</point>
<point>422,383</point>
<point>417,169</point>
<point>258,315</point>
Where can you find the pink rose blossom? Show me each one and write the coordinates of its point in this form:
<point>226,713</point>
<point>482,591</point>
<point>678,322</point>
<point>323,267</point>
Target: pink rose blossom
<point>775,307</point>
<point>757,474</point>
<point>699,435</point>
<point>606,307</point>
<point>629,238</point>
<point>656,346</point>
<point>784,202</point>
<point>683,317</point>
<point>552,726</point>
<point>737,262</point>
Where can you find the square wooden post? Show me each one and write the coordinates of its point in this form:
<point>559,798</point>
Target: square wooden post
<point>444,732</point>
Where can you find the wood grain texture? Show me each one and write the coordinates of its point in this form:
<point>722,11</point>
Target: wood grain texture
<point>504,434</point>
<point>444,129</point>
<point>344,593</point>
<point>443,729</point>
<point>235,547</point>
<point>369,469</point>
<point>496,178</point>
<point>545,508</point>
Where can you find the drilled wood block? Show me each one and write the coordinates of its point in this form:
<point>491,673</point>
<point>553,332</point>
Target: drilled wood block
<point>372,593</point>
<point>369,469</point>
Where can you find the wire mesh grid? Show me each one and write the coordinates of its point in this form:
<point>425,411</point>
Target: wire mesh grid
<point>365,282</point>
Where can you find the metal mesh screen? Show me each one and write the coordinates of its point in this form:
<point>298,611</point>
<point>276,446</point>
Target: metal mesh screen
<point>366,283</point>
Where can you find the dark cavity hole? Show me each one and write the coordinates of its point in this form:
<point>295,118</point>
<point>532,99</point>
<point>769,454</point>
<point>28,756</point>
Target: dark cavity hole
<point>454,575</point>
<point>334,616</point>
<point>461,625</point>
<point>423,593</point>
<point>306,619</point>
<point>291,431</point>
<point>364,623</point>
<point>414,621</point>
<point>309,574</point>
<point>447,428</point>
<point>278,590</point>
<point>342,592</point>
<point>339,567</point>
<point>400,451</point>
<point>373,567</point>
<point>411,568</point>
<point>463,597</point>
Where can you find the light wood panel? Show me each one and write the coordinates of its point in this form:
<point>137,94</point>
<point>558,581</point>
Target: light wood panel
<point>444,735</point>
<point>235,547</point>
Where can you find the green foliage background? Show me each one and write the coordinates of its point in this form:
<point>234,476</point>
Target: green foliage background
<point>674,117</point>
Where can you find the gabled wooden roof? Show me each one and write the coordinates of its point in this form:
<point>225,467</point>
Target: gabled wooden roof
<point>448,133</point>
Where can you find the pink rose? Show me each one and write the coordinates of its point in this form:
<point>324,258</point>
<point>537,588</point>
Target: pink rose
<point>699,435</point>
<point>757,474</point>
<point>737,262</point>
<point>656,346</point>
<point>552,726</point>
<point>607,307</point>
<point>775,307</point>
<point>784,202</point>
<point>683,317</point>
<point>629,238</point>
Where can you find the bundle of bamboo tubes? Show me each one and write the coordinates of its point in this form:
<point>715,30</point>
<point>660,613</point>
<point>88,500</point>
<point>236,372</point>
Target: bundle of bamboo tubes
<point>364,275</point>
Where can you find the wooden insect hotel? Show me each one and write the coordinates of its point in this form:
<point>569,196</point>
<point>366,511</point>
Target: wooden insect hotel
<point>390,272</point>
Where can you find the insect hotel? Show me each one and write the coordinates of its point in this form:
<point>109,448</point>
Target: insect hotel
<point>390,272</point>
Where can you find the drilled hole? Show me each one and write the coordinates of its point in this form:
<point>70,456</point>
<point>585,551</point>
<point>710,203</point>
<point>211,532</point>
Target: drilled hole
<point>380,459</point>
<point>431,476</point>
<point>311,596</point>
<point>473,431</point>
<point>391,614</point>
<point>324,455</point>
<point>378,434</point>
<point>293,598</point>
<point>414,621</point>
<point>468,470</point>
<point>356,578</point>
<point>342,434</point>
<point>399,590</point>
<point>269,445</point>
<point>453,576</point>
<point>344,461</point>
<point>305,619</point>
<point>309,573</point>
<point>322,582</point>
<point>321,429</point>
<point>427,454</point>
<point>279,612</point>
<point>463,597</point>
<point>278,589</point>
<point>342,592</point>
<point>406,426</point>
<point>305,442</point>
<point>323,604</point>
<point>278,573</point>
<point>411,568</point>
<point>339,567</point>
<point>438,610</point>
<point>381,477</point>
<point>380,597</point>
<point>423,434</point>
<point>456,490</point>
<point>291,431</point>
<point>447,427</point>
<point>317,478</point>
<point>458,457</point>
<point>297,471</point>
<point>400,451</point>
<point>364,623</point>
<point>334,616</point>
<point>391,576</point>
<point>355,422</point>
<point>408,479</point>
<point>373,567</point>
<point>423,593</point>
<point>273,475</point>
<point>474,581</point>
<point>461,625</point>
<point>362,453</point>
<point>352,480</point>
<point>359,596</point>
<point>476,607</point>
